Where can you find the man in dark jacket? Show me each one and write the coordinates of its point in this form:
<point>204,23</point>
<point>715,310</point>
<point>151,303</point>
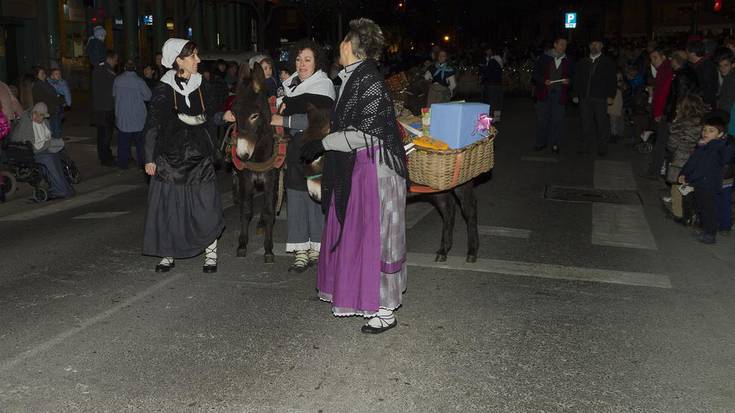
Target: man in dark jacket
<point>551,78</point>
<point>491,79</point>
<point>96,50</point>
<point>595,85</point>
<point>706,71</point>
<point>684,83</point>
<point>726,95</point>
<point>103,107</point>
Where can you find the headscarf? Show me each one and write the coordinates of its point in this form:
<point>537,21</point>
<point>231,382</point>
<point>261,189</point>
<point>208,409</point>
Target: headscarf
<point>99,33</point>
<point>171,50</point>
<point>256,59</point>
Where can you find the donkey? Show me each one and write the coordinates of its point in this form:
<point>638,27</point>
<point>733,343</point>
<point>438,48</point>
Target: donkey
<point>254,142</point>
<point>444,201</point>
<point>319,125</point>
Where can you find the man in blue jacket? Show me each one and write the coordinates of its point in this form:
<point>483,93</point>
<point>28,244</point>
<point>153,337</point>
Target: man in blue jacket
<point>130,92</point>
<point>703,171</point>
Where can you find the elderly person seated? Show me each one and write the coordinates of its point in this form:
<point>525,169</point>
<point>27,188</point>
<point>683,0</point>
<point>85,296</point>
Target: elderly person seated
<point>33,127</point>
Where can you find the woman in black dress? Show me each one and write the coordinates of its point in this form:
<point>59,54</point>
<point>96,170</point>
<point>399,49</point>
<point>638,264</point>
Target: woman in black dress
<point>184,215</point>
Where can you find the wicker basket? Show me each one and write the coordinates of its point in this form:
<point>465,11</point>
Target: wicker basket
<point>442,170</point>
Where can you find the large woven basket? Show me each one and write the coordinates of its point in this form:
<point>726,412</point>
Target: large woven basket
<point>446,169</point>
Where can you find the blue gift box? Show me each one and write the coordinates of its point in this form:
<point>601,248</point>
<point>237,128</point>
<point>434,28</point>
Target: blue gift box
<point>454,122</point>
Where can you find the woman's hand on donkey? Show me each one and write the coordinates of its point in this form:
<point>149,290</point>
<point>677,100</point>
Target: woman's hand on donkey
<point>311,150</point>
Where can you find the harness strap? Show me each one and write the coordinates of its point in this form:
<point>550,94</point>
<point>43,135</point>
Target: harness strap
<point>274,162</point>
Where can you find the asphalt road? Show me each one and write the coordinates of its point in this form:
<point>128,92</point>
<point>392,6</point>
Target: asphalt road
<point>572,306</point>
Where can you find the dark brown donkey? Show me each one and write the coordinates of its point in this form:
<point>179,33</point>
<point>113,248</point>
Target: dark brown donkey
<point>254,145</point>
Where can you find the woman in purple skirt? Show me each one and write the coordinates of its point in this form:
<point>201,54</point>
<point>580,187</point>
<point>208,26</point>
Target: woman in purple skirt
<point>362,264</point>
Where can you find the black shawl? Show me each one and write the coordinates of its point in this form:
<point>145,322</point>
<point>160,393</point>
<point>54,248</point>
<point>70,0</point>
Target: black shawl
<point>365,105</point>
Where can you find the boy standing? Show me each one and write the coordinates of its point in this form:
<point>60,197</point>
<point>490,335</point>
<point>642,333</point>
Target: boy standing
<point>62,89</point>
<point>703,171</point>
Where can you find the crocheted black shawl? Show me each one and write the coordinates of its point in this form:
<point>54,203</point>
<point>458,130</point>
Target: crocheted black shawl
<point>366,106</point>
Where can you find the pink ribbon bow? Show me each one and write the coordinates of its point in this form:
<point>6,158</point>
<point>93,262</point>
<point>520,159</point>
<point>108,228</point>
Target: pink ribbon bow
<point>484,121</point>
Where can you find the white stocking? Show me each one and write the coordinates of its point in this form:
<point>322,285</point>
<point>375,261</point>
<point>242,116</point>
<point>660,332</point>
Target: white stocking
<point>210,254</point>
<point>166,261</point>
<point>384,318</point>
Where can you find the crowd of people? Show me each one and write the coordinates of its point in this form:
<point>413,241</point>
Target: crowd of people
<point>679,94</point>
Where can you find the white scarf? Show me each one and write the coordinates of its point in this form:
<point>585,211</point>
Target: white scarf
<point>193,84</point>
<point>41,134</point>
<point>318,84</point>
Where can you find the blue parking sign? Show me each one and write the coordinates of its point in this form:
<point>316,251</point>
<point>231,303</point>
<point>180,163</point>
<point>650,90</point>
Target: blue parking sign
<point>570,20</point>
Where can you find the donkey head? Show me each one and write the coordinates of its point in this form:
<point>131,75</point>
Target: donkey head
<point>252,113</point>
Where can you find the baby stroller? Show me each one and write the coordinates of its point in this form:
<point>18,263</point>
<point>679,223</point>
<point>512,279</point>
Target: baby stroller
<point>17,164</point>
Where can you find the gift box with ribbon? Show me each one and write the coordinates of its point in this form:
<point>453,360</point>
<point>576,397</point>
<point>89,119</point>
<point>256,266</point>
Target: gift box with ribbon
<point>460,124</point>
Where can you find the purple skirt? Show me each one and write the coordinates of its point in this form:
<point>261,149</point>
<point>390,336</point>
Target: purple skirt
<point>366,270</point>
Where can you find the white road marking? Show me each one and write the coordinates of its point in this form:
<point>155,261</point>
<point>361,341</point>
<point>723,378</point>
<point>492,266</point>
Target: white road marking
<point>504,232</point>
<point>76,202</point>
<point>101,215</point>
<point>47,345</point>
<point>621,226</point>
<point>539,159</point>
<point>614,175</point>
<point>615,225</point>
<point>526,269</point>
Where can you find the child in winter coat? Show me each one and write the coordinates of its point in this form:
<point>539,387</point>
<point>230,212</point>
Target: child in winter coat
<point>703,171</point>
<point>62,90</point>
<point>685,131</point>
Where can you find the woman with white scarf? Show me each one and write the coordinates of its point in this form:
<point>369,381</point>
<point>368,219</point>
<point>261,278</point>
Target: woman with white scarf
<point>309,85</point>
<point>184,215</point>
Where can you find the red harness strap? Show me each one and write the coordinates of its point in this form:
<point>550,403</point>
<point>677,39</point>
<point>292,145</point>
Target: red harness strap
<point>275,162</point>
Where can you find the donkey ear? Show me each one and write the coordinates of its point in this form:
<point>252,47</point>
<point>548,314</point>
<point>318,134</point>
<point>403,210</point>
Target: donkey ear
<point>257,78</point>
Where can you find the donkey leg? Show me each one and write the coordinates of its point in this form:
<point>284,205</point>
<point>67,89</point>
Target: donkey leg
<point>247,188</point>
<point>268,215</point>
<point>444,202</point>
<point>468,204</point>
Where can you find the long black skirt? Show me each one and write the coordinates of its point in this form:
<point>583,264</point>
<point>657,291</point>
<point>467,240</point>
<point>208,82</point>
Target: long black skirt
<point>182,220</point>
